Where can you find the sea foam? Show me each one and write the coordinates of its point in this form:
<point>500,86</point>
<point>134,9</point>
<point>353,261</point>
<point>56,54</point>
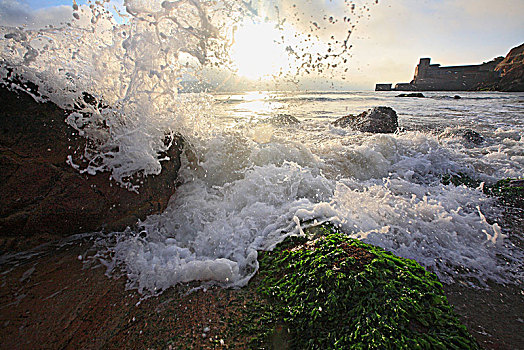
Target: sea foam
<point>233,206</point>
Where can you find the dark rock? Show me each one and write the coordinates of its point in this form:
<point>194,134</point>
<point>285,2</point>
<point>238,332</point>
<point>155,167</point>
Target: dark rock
<point>457,97</point>
<point>472,137</point>
<point>414,94</point>
<point>283,119</point>
<point>44,198</point>
<point>469,137</point>
<point>375,120</point>
<point>516,183</point>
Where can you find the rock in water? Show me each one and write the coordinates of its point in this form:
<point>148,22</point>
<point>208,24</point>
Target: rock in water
<point>472,137</point>
<point>43,198</point>
<point>283,120</point>
<point>375,120</point>
<point>414,94</point>
<point>469,137</point>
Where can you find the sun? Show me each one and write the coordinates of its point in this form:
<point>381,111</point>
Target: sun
<point>256,50</point>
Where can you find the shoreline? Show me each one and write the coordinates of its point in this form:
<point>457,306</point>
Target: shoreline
<point>55,300</point>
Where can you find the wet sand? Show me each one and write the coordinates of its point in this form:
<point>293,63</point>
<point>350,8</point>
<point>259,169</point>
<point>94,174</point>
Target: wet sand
<point>55,301</point>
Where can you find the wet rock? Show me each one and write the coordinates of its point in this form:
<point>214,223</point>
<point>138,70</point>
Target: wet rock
<point>472,136</point>
<point>516,183</point>
<point>309,278</point>
<point>375,120</point>
<point>44,198</point>
<point>457,97</point>
<point>469,137</point>
<point>414,94</point>
<point>283,119</point>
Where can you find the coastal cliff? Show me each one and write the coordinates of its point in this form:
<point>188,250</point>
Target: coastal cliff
<point>499,74</point>
<point>512,71</point>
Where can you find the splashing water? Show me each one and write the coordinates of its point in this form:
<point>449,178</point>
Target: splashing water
<point>132,64</point>
<point>246,196</point>
<point>132,67</point>
<point>248,184</point>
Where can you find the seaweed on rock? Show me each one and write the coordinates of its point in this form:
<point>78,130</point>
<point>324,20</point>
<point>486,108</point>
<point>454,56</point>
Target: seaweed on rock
<point>509,192</point>
<point>332,292</point>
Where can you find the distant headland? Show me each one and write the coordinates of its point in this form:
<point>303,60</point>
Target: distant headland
<point>500,74</point>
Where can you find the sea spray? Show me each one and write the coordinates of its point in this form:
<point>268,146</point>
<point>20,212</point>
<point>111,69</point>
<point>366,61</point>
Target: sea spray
<point>129,67</point>
<point>244,183</point>
<point>131,64</point>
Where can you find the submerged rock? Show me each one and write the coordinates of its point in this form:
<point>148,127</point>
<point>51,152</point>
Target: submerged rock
<point>44,198</point>
<point>469,137</point>
<point>472,136</point>
<point>375,120</point>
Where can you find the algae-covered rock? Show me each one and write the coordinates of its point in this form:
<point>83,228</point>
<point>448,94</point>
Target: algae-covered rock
<point>509,192</point>
<point>332,292</point>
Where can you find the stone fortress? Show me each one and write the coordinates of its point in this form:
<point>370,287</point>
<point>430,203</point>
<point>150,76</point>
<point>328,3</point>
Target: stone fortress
<point>502,74</point>
<point>434,77</point>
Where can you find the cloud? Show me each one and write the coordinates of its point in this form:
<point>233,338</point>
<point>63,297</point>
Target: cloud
<point>388,38</point>
<point>12,12</point>
<point>388,45</point>
<point>18,13</point>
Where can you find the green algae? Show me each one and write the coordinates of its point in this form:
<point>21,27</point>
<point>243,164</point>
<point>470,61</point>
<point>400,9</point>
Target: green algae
<point>509,192</point>
<point>328,291</point>
<point>460,179</point>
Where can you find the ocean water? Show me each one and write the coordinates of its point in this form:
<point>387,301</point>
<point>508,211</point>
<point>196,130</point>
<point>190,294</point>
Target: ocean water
<point>248,182</point>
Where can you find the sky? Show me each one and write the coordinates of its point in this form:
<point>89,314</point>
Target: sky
<point>387,43</point>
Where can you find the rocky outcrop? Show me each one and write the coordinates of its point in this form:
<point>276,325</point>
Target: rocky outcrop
<point>44,198</point>
<point>326,291</point>
<point>375,120</point>
<point>511,70</point>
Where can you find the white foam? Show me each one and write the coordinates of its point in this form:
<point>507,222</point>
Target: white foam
<point>130,68</point>
<point>237,202</point>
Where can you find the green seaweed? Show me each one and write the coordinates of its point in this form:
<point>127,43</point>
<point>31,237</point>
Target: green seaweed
<point>508,191</point>
<point>332,292</point>
<point>460,179</point>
